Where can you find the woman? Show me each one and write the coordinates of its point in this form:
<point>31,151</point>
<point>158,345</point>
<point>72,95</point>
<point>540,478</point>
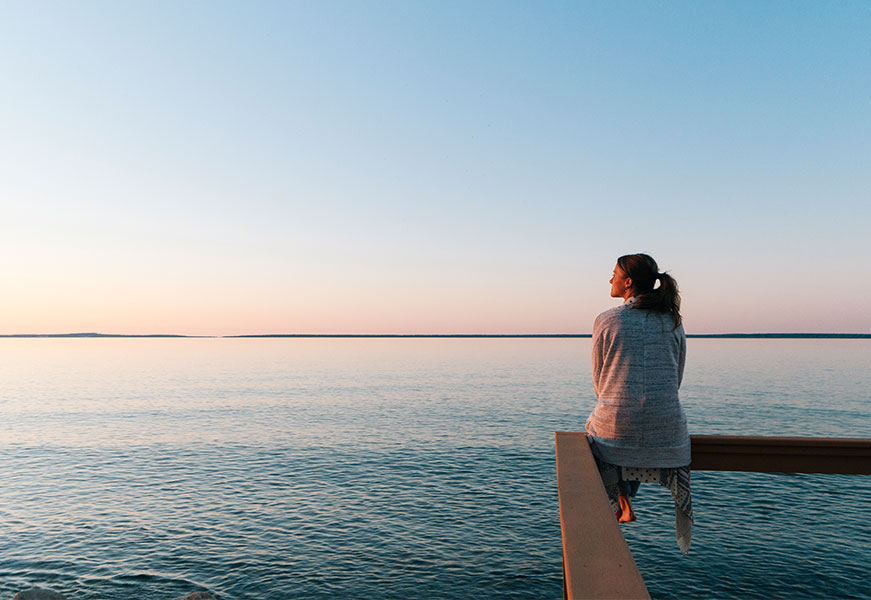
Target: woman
<point>638,429</point>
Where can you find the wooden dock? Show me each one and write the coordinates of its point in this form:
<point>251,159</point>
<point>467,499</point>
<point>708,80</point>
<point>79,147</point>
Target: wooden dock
<point>597,562</point>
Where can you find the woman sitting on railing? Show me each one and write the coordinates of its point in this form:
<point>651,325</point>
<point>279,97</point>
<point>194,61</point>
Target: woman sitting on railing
<point>638,429</point>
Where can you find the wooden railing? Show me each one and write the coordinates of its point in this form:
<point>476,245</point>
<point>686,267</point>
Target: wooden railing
<point>851,456</point>
<point>597,563</point>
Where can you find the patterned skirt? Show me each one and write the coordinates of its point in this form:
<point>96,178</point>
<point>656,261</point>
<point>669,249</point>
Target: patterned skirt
<point>625,480</point>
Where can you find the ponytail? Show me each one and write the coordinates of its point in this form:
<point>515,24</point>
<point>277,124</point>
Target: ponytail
<point>644,272</point>
<point>667,298</point>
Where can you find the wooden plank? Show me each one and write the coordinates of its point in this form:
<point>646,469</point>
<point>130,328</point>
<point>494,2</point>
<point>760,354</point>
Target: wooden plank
<point>597,562</point>
<point>781,454</point>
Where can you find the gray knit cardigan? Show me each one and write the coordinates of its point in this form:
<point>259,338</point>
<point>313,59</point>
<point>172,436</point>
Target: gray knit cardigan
<point>638,364</point>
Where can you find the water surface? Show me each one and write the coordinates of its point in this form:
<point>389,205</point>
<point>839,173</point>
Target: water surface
<point>276,468</point>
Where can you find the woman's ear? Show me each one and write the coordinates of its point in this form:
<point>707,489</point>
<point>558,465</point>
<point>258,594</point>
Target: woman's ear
<point>628,282</point>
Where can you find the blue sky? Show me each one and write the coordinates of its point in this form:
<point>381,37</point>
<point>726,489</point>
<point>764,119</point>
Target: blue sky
<point>414,167</point>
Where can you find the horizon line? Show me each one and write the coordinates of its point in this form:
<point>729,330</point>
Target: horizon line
<point>429,335</point>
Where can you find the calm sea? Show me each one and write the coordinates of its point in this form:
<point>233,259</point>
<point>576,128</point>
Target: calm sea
<point>397,468</point>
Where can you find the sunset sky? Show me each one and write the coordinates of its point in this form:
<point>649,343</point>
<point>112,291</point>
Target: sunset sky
<point>431,167</point>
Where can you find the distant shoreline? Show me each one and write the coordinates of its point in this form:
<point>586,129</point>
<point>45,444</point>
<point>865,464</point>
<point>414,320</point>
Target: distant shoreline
<point>437,335</point>
<point>102,335</point>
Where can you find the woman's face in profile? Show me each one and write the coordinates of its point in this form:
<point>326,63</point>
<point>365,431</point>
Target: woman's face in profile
<point>620,283</point>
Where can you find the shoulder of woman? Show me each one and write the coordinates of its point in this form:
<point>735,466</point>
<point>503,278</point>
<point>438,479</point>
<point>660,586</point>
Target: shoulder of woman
<point>609,317</point>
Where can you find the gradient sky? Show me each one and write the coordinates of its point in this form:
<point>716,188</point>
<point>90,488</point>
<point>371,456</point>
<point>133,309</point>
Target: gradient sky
<point>431,167</point>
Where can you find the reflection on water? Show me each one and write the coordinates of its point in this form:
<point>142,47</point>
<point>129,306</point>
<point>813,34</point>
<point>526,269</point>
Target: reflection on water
<point>272,468</point>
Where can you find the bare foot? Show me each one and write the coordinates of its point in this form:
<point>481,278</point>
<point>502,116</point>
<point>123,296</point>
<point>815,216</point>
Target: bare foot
<point>626,514</point>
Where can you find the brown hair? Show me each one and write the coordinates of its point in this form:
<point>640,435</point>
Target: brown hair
<point>644,272</point>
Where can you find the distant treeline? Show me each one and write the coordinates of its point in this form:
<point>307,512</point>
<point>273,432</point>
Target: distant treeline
<point>783,335</point>
<point>546,335</point>
<point>96,335</point>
